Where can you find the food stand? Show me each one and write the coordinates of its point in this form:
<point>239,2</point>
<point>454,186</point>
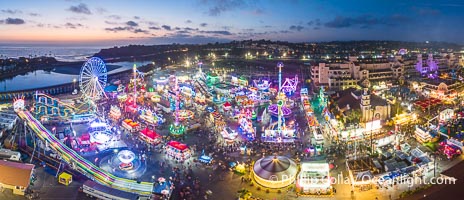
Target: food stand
<point>115,112</point>
<point>130,125</point>
<point>178,151</point>
<point>65,178</point>
<point>149,136</point>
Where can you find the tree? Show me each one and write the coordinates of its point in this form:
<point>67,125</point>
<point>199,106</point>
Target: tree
<point>244,194</point>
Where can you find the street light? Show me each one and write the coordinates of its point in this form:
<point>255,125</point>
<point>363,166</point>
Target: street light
<point>372,127</point>
<point>74,83</point>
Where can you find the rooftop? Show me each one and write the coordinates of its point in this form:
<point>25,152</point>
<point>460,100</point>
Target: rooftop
<point>17,174</point>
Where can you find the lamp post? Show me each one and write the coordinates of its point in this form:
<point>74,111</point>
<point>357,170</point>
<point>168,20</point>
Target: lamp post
<point>74,84</point>
<point>435,155</point>
<point>372,127</point>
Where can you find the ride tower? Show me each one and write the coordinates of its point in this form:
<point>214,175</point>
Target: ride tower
<point>176,129</point>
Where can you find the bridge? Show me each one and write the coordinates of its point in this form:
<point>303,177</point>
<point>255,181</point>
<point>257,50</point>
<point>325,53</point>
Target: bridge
<point>78,163</point>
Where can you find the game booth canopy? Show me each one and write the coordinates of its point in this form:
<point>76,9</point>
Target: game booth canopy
<point>150,136</point>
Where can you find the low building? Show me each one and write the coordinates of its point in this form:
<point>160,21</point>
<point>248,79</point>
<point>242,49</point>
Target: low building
<point>15,176</point>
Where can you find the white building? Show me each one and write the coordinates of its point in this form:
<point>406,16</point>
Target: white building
<point>349,74</point>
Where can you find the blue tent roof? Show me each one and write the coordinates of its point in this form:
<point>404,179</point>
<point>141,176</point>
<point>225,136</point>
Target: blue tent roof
<point>111,88</point>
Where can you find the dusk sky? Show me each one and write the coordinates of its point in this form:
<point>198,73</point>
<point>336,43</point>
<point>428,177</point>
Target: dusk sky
<point>198,21</point>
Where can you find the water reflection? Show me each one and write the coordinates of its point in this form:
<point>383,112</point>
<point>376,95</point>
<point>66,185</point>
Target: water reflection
<point>61,75</point>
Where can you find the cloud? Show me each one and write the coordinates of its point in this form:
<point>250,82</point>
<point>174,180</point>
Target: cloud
<point>364,21</point>
<point>34,14</point>
<point>154,28</point>
<point>138,30</point>
<point>80,9</point>
<point>182,32</point>
<point>127,28</point>
<point>12,21</point>
<point>166,27</point>
<point>268,26</point>
<point>76,18</point>
<point>316,22</point>
<point>296,28</point>
<point>188,21</point>
<point>226,27</point>
<point>117,29</point>
<point>190,29</point>
<point>110,22</point>
<point>204,24</point>
<point>117,17</point>
<point>72,26</point>
<point>258,11</point>
<point>11,12</point>
<point>426,11</point>
<point>131,23</point>
<point>101,10</point>
<point>216,7</point>
<point>216,32</point>
<point>185,39</point>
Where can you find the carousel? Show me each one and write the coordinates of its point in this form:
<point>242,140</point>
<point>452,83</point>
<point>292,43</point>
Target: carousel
<point>275,171</point>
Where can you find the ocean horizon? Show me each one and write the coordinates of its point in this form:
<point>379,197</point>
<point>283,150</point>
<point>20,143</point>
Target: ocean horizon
<point>60,52</point>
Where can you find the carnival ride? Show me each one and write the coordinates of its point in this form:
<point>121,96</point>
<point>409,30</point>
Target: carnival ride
<point>77,162</point>
<point>309,112</point>
<point>151,117</point>
<point>200,81</point>
<point>48,106</point>
<point>278,131</point>
<point>100,133</point>
<point>228,134</point>
<point>124,163</point>
<point>177,128</point>
<point>126,157</point>
<point>92,79</point>
<point>246,125</point>
<point>51,108</point>
<point>262,84</point>
<point>289,86</point>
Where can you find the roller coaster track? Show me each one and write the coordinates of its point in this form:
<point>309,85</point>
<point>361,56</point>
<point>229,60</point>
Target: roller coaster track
<point>201,88</point>
<point>46,103</point>
<point>77,162</point>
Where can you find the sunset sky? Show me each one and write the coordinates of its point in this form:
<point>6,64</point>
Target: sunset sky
<point>199,21</point>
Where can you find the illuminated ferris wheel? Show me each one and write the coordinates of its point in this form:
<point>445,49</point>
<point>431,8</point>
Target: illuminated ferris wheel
<point>92,79</point>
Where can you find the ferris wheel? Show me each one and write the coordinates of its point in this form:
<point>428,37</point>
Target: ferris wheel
<point>92,79</point>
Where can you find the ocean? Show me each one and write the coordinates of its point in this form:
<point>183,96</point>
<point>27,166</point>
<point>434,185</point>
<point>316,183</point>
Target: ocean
<point>61,75</point>
<point>61,53</point>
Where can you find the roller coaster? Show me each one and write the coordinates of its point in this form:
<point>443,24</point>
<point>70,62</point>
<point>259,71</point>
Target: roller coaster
<point>47,106</point>
<point>78,163</point>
